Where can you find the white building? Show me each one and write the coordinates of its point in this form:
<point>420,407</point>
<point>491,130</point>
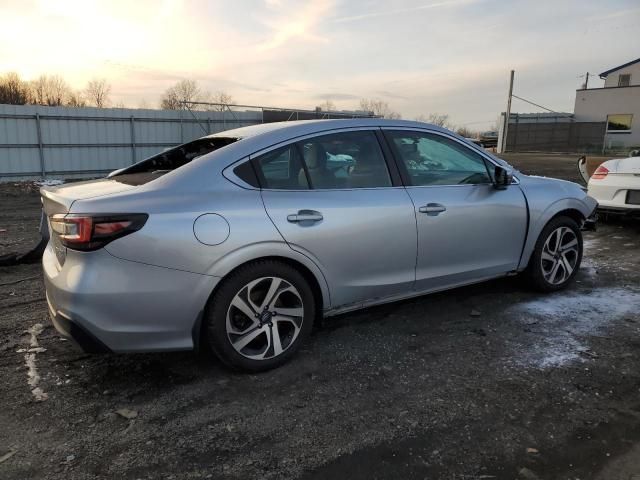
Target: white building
<point>617,103</point>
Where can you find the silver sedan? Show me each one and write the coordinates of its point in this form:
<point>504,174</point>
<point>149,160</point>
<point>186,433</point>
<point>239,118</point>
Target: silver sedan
<point>239,241</point>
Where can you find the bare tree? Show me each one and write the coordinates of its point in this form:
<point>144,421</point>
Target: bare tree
<point>378,107</point>
<point>39,89</point>
<point>466,132</point>
<point>439,119</point>
<point>76,100</point>
<point>183,91</point>
<point>14,90</point>
<point>50,90</point>
<point>327,106</point>
<point>97,92</point>
<point>223,98</point>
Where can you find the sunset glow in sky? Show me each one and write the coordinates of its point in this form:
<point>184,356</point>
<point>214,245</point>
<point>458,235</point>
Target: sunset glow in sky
<point>420,56</point>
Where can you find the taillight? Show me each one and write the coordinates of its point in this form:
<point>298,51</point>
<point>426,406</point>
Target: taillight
<point>90,232</point>
<point>600,173</point>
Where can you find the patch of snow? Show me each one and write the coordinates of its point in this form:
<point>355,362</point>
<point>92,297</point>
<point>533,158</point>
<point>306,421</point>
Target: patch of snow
<point>49,182</point>
<point>589,267</point>
<point>590,243</point>
<point>563,321</point>
<point>33,377</point>
<point>34,331</point>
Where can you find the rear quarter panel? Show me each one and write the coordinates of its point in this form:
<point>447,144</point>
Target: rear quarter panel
<point>168,239</point>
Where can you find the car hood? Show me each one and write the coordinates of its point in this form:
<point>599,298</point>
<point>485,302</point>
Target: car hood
<point>557,185</point>
<point>541,192</point>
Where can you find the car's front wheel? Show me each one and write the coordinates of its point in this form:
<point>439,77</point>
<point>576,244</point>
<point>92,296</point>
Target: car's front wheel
<point>259,316</point>
<point>557,255</point>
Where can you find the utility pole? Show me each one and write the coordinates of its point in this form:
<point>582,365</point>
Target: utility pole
<point>586,81</point>
<point>507,116</point>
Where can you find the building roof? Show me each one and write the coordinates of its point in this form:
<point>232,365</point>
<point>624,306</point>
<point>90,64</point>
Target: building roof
<point>604,74</point>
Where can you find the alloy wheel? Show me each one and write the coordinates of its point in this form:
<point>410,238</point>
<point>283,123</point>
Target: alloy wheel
<point>264,318</point>
<point>559,255</point>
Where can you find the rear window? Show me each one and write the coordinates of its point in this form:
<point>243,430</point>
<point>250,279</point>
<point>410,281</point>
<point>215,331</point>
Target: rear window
<point>169,160</point>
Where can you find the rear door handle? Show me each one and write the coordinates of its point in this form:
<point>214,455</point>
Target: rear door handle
<point>432,209</point>
<point>305,216</point>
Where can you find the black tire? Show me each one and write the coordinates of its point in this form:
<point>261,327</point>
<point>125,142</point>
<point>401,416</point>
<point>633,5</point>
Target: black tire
<point>219,305</point>
<point>535,270</point>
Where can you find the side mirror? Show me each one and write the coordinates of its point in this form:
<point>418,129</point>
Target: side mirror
<point>502,177</point>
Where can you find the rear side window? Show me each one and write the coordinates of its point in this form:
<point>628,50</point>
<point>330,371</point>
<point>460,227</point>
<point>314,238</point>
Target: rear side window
<point>436,160</point>
<point>282,169</point>
<point>345,160</point>
<point>245,172</point>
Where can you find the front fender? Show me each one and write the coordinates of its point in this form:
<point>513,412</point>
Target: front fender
<point>539,217</point>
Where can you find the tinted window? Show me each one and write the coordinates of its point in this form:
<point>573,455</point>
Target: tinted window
<point>436,160</point>
<point>345,160</point>
<point>245,172</point>
<point>282,169</point>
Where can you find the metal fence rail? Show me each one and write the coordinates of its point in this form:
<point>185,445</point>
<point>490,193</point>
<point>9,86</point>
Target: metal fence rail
<point>553,133</point>
<point>556,137</point>
<point>38,141</point>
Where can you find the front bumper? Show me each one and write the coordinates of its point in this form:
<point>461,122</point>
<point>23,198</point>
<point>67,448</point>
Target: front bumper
<point>106,304</point>
<point>591,223</point>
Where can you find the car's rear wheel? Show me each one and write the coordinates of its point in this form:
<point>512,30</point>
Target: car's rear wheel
<point>259,316</point>
<point>557,255</point>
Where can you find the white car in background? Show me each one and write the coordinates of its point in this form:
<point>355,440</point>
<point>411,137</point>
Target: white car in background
<point>615,184</point>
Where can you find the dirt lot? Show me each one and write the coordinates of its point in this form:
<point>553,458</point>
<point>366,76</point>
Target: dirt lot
<point>483,382</point>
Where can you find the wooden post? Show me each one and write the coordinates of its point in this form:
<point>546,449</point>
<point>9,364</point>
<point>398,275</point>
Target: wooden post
<point>508,114</point>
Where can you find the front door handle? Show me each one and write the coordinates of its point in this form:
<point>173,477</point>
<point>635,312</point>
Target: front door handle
<point>304,216</point>
<point>432,209</point>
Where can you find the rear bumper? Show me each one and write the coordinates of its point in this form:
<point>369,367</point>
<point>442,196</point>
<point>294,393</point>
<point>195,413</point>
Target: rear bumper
<point>612,193</point>
<point>631,211</point>
<point>107,304</point>
<point>73,330</point>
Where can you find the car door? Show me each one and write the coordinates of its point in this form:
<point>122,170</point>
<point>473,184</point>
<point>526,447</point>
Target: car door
<point>467,229</point>
<point>333,198</point>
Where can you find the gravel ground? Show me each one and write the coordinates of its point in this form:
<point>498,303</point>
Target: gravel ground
<point>488,381</point>
<point>19,217</point>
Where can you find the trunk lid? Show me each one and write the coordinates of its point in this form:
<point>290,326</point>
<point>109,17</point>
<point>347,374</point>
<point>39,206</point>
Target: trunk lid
<point>58,199</point>
<point>629,166</point>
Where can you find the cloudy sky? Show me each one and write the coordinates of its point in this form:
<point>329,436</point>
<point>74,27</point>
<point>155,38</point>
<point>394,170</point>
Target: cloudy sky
<point>420,56</point>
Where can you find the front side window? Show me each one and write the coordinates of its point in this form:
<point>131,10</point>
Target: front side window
<point>282,169</point>
<point>619,123</point>
<point>345,160</point>
<point>436,160</point>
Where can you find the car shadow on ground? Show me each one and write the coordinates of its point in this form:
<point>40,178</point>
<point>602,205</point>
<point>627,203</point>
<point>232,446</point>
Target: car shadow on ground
<point>463,311</point>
